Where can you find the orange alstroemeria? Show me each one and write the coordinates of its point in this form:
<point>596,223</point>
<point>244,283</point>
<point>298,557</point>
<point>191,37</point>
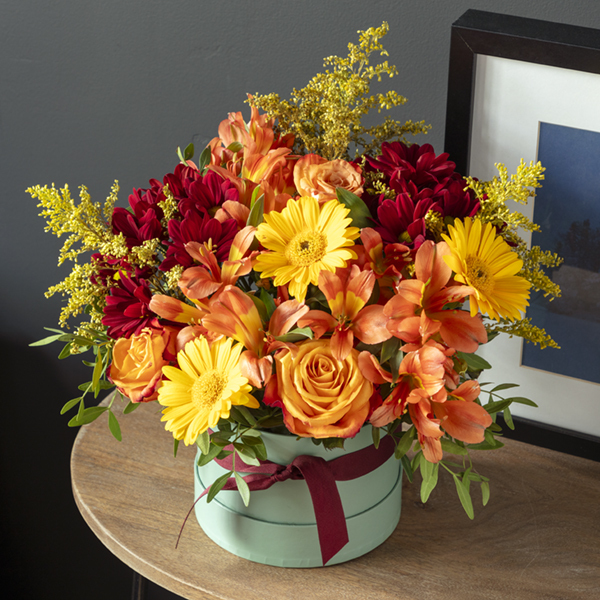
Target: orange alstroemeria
<point>417,312</point>
<point>347,291</point>
<point>461,417</point>
<point>235,315</point>
<point>421,379</point>
<point>200,282</point>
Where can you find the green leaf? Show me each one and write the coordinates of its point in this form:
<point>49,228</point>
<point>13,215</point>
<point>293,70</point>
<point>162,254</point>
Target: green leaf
<point>46,340</point>
<point>296,335</point>
<point>188,153</point>
<point>87,416</point>
<point>260,306</point>
<point>65,352</point>
<point>521,400</point>
<point>485,492</point>
<point>405,442</point>
<point>98,367</point>
<point>209,456</point>
<point>508,418</point>
<point>247,454</point>
<point>464,496</point>
<point>429,472</point>
<point>407,468</point>
<point>243,488</point>
<point>113,425</point>
<point>203,442</point>
<point>497,406</point>
<point>359,213</point>
<point>251,440</point>
<point>131,406</point>
<point>204,159</point>
<point>235,146</point>
<point>268,302</point>
<point>416,460</point>
<point>504,386</point>
<point>376,435</point>
<point>255,218</point>
<point>175,447</point>
<point>453,447</point>
<point>394,363</point>
<point>217,486</point>
<point>474,362</point>
<point>390,348</point>
<point>70,404</point>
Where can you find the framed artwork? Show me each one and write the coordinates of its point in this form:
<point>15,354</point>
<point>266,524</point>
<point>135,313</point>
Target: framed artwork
<point>523,88</point>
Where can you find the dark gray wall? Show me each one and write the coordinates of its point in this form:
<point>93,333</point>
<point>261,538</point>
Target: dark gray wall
<point>91,92</point>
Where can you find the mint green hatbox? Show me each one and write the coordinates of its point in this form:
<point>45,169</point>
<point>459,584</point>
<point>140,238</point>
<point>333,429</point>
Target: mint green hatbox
<point>279,528</point>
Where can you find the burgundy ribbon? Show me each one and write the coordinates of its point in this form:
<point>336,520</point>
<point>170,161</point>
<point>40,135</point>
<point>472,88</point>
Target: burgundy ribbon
<point>320,476</point>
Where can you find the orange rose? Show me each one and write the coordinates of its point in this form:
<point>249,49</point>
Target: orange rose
<point>317,177</point>
<point>322,397</point>
<point>137,364</point>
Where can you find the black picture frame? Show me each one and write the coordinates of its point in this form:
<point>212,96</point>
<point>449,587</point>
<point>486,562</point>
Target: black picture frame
<point>535,41</point>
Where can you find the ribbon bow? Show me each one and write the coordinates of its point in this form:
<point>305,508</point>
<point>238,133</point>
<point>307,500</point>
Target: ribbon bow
<point>320,476</point>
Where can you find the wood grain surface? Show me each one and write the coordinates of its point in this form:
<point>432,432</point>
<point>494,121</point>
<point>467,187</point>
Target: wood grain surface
<point>537,539</point>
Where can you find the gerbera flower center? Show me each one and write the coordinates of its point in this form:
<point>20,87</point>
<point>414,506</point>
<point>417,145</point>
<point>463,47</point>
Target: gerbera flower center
<point>479,276</point>
<point>306,248</point>
<point>207,389</point>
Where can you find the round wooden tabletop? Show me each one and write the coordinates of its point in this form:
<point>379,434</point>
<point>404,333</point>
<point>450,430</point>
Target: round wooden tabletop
<point>538,538</point>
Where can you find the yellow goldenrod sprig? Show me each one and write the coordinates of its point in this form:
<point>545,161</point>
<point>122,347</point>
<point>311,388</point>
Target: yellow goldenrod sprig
<point>525,330</point>
<point>326,115</point>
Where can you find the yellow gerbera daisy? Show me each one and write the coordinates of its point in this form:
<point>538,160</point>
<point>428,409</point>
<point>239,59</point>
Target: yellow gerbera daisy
<point>484,261</point>
<point>204,388</point>
<point>305,238</point>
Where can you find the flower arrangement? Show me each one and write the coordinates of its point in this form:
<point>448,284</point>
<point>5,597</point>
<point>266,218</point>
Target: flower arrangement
<point>308,275</point>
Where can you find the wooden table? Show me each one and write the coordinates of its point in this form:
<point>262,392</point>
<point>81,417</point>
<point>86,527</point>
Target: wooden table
<point>538,538</point>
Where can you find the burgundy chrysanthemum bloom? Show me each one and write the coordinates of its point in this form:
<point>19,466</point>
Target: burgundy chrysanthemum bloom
<point>415,163</point>
<point>127,309</point>
<point>197,227</point>
<point>403,220</point>
<point>182,175</point>
<point>452,200</point>
<point>207,194</point>
<point>144,224</point>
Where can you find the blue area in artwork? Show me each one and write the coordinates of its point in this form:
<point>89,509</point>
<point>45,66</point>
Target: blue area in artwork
<point>567,208</point>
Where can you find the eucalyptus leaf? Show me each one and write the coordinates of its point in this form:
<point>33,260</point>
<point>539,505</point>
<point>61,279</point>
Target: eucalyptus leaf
<point>113,425</point>
<point>359,213</point>
<point>243,488</point>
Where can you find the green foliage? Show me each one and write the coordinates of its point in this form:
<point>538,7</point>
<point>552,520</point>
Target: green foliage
<point>326,115</point>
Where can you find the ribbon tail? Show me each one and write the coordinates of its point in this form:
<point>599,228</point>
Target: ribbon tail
<point>329,512</point>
